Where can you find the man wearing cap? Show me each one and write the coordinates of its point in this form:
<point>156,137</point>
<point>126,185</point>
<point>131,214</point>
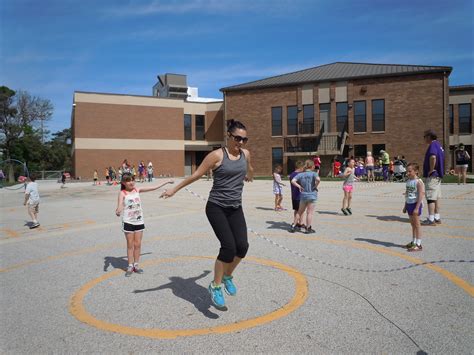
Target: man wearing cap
<point>433,171</point>
<point>385,163</point>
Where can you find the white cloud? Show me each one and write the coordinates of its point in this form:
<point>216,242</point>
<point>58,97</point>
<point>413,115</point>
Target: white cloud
<point>230,75</point>
<point>142,8</point>
<point>28,56</point>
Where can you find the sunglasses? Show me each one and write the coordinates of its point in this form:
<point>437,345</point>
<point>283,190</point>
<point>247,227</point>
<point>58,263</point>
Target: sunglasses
<point>239,138</point>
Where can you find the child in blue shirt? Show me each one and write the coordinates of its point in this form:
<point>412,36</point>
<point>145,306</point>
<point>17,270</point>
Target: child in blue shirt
<point>295,193</point>
<point>307,182</point>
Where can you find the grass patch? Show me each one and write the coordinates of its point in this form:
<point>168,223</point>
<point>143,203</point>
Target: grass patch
<point>451,179</point>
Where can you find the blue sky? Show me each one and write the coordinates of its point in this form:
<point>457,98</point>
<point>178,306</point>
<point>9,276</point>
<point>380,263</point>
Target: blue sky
<point>52,48</point>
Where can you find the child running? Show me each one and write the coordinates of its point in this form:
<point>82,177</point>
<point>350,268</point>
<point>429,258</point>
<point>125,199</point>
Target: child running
<point>278,187</point>
<point>307,182</point>
<point>132,218</point>
<point>415,192</point>
<point>295,195</point>
<point>32,199</point>
<point>348,186</point>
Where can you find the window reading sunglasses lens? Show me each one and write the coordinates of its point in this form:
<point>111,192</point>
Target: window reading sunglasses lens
<point>240,139</point>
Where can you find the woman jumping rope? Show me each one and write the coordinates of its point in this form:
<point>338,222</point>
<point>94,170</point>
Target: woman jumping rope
<point>230,167</point>
<point>132,218</point>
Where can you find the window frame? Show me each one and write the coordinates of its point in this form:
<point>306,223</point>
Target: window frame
<point>339,122</point>
<point>376,154</point>
<point>275,127</point>
<point>360,155</point>
<point>199,138</point>
<point>468,117</point>
<point>294,129</point>
<point>451,118</point>
<point>275,163</point>
<point>364,115</point>
<point>308,120</point>
<point>190,117</point>
<point>374,115</point>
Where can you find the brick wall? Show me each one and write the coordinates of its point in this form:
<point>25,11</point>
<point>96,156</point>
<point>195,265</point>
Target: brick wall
<point>117,121</point>
<point>93,120</point>
<point>412,105</point>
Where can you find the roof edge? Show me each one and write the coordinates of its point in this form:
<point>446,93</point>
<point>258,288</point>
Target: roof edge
<point>441,69</point>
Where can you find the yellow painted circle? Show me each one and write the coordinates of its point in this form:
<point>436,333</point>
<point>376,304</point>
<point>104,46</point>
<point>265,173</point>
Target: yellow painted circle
<point>77,309</point>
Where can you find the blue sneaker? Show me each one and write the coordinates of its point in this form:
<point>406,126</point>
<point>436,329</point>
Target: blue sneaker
<point>229,286</point>
<point>217,297</point>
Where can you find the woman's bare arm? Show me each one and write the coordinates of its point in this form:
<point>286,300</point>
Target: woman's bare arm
<point>209,162</point>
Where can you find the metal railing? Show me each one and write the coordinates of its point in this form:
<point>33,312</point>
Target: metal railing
<point>47,174</point>
<point>306,128</point>
<point>324,143</point>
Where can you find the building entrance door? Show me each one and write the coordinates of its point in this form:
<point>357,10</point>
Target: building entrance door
<point>188,162</point>
<point>324,117</point>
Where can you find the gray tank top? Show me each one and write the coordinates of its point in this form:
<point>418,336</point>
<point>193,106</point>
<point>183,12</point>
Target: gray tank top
<point>229,181</point>
<point>349,180</point>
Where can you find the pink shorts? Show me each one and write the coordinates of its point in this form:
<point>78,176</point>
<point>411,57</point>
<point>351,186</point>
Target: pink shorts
<point>348,188</point>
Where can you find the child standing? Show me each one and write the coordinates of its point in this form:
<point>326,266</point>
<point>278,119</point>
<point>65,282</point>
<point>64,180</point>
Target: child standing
<point>307,182</point>
<point>96,177</point>
<point>32,198</point>
<point>336,168</point>
<point>414,194</point>
<point>348,186</point>
<point>107,176</point>
<point>277,187</point>
<point>295,194</point>
<point>132,219</point>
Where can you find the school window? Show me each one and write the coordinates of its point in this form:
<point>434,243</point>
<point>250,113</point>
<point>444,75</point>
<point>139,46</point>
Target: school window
<point>360,120</point>
<point>465,118</point>
<point>360,151</point>
<point>187,127</point>
<point>376,148</point>
<point>277,157</point>
<point>341,116</point>
<point>325,117</point>
<point>451,120</point>
<point>378,115</point>
<point>276,121</point>
<point>308,119</point>
<point>200,127</point>
<point>292,120</point>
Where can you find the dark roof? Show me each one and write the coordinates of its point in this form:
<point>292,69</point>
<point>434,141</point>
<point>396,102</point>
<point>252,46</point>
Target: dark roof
<point>338,71</point>
<point>466,87</point>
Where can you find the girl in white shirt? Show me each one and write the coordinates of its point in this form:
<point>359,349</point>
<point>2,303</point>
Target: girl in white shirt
<point>132,218</point>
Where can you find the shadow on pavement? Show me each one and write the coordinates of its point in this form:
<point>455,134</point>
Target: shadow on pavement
<point>265,208</point>
<point>389,218</point>
<point>329,212</point>
<point>120,262</point>
<point>278,225</point>
<point>190,291</point>
<point>379,242</point>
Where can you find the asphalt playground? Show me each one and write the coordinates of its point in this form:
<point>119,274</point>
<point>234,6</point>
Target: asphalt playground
<point>349,288</point>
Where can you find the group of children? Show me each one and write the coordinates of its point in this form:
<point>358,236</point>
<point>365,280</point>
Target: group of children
<point>304,194</point>
<point>142,174</point>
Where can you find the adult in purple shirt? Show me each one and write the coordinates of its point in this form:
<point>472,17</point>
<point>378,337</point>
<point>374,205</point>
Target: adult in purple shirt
<point>433,171</point>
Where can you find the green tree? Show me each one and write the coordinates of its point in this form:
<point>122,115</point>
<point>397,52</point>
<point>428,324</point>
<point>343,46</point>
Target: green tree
<point>30,150</point>
<point>19,113</point>
<point>59,151</point>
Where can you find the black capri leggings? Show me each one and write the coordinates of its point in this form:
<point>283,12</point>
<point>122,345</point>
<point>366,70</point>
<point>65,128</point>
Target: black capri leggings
<point>229,225</point>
